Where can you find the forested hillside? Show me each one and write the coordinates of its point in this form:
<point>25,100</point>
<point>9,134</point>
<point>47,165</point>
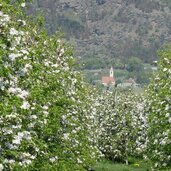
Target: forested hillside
<point>109,31</point>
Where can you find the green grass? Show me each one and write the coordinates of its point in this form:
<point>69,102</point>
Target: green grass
<point>109,166</point>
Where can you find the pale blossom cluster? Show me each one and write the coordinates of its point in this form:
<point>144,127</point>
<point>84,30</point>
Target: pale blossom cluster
<point>4,19</point>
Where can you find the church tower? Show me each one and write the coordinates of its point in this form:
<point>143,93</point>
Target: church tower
<point>111,74</point>
<point>109,80</point>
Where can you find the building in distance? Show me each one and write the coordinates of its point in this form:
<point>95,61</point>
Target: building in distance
<point>109,80</point>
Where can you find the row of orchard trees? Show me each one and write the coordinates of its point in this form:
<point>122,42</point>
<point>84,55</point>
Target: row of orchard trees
<point>139,125</point>
<point>159,113</point>
<point>123,126</point>
<point>44,103</point>
<point>51,120</point>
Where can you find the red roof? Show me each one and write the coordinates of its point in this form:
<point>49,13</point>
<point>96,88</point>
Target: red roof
<point>107,80</point>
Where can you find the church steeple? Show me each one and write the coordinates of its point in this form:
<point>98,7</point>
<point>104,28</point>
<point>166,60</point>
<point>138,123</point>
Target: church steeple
<point>111,72</point>
<point>109,80</point>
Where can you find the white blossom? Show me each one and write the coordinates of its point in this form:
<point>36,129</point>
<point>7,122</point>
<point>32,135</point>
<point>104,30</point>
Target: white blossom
<point>66,136</point>
<point>17,140</point>
<point>45,107</point>
<point>23,4</point>
<point>13,56</point>
<point>13,31</point>
<point>26,162</point>
<point>25,105</point>
<point>53,159</point>
<point>165,69</point>
<point>79,161</point>
<point>1,167</point>
<point>33,117</point>
<point>170,120</point>
<point>45,112</point>
<point>12,90</point>
<point>23,94</point>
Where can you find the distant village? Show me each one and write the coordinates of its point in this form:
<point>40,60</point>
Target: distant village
<point>110,81</point>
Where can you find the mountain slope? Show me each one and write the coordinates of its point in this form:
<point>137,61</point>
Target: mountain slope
<point>110,31</point>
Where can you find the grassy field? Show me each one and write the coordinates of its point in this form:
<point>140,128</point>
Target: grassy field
<point>109,166</point>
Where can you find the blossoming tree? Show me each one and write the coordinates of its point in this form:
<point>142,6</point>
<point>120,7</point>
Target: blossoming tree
<point>45,105</point>
<point>159,117</point>
<point>122,123</point>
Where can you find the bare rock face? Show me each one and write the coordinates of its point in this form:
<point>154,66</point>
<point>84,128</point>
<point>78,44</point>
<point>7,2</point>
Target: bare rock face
<point>110,28</point>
